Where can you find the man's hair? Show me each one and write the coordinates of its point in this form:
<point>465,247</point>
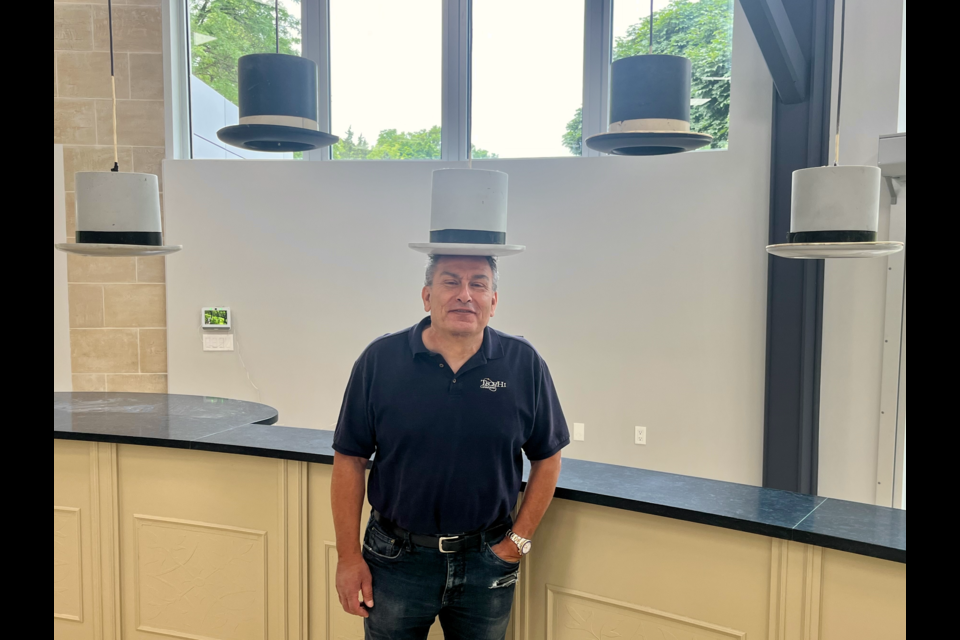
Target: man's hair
<point>434,261</point>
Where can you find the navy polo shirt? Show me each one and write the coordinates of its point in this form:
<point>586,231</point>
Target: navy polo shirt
<point>449,447</point>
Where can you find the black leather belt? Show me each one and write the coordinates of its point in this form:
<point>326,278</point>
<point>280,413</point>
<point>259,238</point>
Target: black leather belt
<point>444,544</point>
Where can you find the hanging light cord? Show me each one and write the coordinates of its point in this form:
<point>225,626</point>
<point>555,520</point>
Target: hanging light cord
<point>651,27</point>
<point>277,14</point>
<point>113,88</point>
<point>843,43</point>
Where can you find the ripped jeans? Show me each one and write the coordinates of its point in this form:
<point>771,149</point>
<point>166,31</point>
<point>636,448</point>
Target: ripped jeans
<point>470,592</point>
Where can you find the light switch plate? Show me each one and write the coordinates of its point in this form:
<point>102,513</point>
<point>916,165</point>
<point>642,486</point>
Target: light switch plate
<point>579,432</point>
<point>218,342</point>
<point>641,436</point>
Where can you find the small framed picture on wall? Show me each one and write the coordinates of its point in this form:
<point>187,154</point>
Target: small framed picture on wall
<point>216,318</point>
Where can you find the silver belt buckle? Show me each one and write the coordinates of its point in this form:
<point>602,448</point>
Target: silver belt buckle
<point>445,540</point>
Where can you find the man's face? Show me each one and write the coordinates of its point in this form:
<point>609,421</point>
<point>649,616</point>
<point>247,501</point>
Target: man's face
<point>462,300</point>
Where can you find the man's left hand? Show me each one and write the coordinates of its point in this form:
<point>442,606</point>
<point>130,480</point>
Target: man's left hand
<point>508,551</point>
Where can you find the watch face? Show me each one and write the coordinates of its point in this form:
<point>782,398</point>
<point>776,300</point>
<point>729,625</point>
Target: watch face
<point>527,548</point>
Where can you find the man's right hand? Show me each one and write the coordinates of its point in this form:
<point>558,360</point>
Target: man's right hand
<point>354,579</point>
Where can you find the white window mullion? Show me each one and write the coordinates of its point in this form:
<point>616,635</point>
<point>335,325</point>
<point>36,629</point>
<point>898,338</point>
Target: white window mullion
<point>176,87</point>
<point>455,141</point>
<point>597,54</point>
<point>315,34</point>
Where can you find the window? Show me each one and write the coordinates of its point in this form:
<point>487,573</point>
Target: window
<point>221,31</point>
<point>903,75</point>
<point>527,85</point>
<point>701,31</point>
<point>450,80</point>
<point>386,68</point>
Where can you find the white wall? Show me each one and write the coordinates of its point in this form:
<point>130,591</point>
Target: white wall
<point>644,285</point>
<point>855,291</point>
<point>903,74</point>
<point>61,322</point>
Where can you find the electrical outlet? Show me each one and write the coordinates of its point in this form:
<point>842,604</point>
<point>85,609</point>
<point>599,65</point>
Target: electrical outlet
<point>579,432</point>
<point>641,438</point>
<point>218,342</point>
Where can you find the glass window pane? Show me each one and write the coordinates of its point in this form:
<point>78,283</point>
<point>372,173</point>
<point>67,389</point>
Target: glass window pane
<point>221,31</point>
<point>903,75</point>
<point>386,64</point>
<point>701,31</point>
<point>527,77</point>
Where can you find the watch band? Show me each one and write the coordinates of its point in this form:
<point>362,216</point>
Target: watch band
<point>524,545</point>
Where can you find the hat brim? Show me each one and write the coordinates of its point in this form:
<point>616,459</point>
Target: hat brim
<point>830,250</point>
<point>116,250</point>
<point>481,250</point>
<point>643,143</point>
<point>273,138</point>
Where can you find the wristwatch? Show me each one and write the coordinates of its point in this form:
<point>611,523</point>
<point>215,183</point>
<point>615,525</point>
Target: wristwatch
<point>525,546</point>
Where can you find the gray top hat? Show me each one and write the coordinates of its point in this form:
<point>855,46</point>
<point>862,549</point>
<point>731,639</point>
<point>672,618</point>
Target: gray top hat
<point>469,215</point>
<point>650,108</point>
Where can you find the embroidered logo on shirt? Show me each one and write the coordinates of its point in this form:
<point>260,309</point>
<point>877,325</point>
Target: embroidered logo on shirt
<point>490,385</point>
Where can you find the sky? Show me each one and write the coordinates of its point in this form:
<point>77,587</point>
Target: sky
<point>527,68</point>
<point>903,75</point>
<point>386,66</point>
<point>527,75</point>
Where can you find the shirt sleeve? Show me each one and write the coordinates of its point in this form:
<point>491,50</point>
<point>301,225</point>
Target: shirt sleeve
<point>355,435</point>
<point>550,433</point>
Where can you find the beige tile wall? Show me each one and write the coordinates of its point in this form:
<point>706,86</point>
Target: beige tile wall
<point>117,306</point>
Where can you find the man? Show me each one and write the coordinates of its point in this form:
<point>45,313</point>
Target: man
<point>449,407</point>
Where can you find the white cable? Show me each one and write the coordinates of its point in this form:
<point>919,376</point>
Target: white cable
<point>236,339</point>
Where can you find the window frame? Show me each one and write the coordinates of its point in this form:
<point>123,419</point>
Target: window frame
<point>891,455</point>
<point>900,468</point>
<point>892,428</point>
<point>456,77</point>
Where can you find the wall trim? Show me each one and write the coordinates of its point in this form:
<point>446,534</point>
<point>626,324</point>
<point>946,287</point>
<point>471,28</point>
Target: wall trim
<point>79,550</point>
<point>105,541</point>
<point>294,568</point>
<point>796,579</point>
<point>140,521</point>
<point>554,591</point>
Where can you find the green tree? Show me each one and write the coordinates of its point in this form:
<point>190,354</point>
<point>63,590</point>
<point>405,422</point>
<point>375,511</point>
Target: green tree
<point>396,145</point>
<point>225,30</point>
<point>350,149</point>
<point>700,30</point>
<point>573,138</point>
<point>482,154</point>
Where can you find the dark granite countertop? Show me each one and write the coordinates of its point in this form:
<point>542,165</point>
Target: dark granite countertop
<point>229,426</point>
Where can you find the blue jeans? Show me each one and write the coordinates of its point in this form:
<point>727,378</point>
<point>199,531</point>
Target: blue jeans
<point>471,592</point>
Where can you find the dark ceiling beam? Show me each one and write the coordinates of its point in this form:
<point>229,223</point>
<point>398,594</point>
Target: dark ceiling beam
<point>781,48</point>
<point>801,139</point>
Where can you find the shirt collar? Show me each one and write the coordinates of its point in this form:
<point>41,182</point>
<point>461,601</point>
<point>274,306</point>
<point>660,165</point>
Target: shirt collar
<point>492,348</point>
<point>416,337</point>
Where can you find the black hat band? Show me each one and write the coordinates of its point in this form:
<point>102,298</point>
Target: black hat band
<point>467,236</point>
<point>826,237</point>
<point>139,238</point>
